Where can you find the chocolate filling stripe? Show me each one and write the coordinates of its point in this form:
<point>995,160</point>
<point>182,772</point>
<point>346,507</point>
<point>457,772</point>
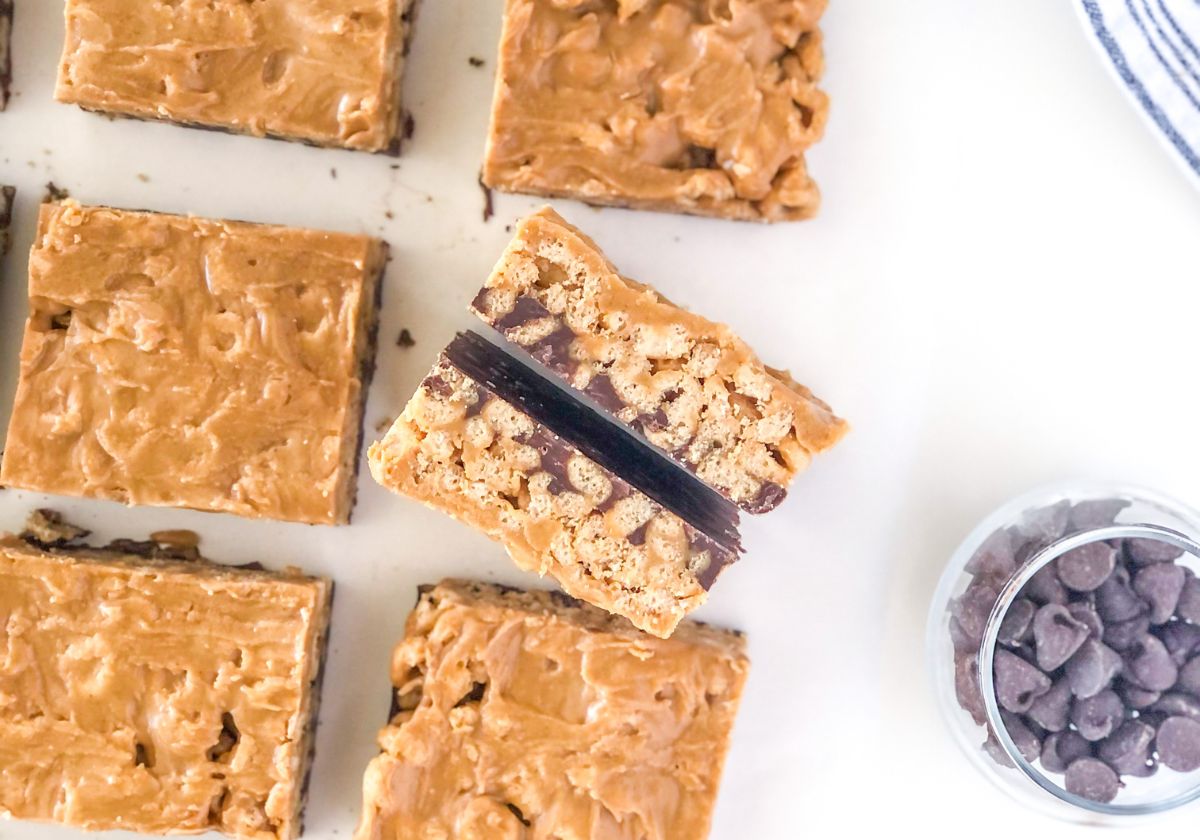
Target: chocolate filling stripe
<point>613,448</point>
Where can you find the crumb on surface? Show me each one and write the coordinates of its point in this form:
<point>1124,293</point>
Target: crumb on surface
<point>405,339</point>
<point>475,61</point>
<point>55,193</point>
<point>488,207</point>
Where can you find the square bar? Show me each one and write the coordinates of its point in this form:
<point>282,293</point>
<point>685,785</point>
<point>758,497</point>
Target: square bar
<point>153,694</point>
<point>689,106</point>
<point>525,714</point>
<point>325,72</point>
<point>187,362</point>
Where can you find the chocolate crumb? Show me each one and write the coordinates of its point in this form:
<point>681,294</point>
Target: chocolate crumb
<point>389,214</point>
<point>475,61</point>
<point>143,177</point>
<point>488,210</point>
<point>508,228</point>
<point>410,126</point>
<point>333,172</point>
<point>55,192</point>
<point>394,165</point>
<point>406,340</point>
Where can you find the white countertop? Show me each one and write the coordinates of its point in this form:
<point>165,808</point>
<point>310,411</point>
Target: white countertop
<point>1001,290</point>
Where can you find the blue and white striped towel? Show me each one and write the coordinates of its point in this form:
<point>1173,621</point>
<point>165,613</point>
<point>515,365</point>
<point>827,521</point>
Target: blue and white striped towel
<point>1154,49</point>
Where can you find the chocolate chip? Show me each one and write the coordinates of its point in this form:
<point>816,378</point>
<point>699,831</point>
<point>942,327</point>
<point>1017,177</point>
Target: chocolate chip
<point>1135,696</point>
<point>992,747</point>
<point>1017,626</point>
<point>1091,778</point>
<point>994,557</point>
<point>1189,676</point>
<point>1057,635</point>
<point>1115,598</point>
<point>1177,704</point>
<point>1062,748</point>
<point>1142,552</point>
<point>1085,612</point>
<point>1095,513</point>
<point>1028,744</point>
<point>966,687</point>
<point>1128,749</point>
<point>1085,568</point>
<point>1160,585</point>
<point>1017,682</point>
<point>1097,717</point>
<point>1178,744</point>
<point>1119,635</point>
<point>1188,607</point>
<point>1051,711</point>
<point>972,608</point>
<point>1181,640</point>
<point>1046,523</point>
<point>1092,668</point>
<point>962,641</point>
<point>1045,587</point>
<point>1148,664</point>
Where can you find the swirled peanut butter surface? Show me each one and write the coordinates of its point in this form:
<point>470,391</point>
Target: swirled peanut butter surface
<point>690,385</point>
<point>696,106</point>
<point>193,363</point>
<point>161,697</point>
<point>323,71</point>
<point>519,716</point>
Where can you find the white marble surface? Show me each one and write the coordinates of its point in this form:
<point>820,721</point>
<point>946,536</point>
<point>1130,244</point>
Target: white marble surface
<point>1001,291</point>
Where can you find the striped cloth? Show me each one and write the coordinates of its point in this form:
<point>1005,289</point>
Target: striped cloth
<point>1153,47</point>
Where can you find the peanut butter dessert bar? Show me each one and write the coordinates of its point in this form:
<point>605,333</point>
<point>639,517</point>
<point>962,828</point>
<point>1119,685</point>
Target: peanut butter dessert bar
<point>325,72</point>
<point>502,449</point>
<point>143,688</point>
<point>6,20</point>
<point>690,386</point>
<point>525,714</point>
<point>8,196</point>
<point>688,106</point>
<point>187,362</point>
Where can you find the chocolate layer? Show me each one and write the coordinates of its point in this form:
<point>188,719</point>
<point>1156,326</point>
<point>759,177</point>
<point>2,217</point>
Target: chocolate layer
<point>575,426</point>
<point>7,197</point>
<point>6,21</point>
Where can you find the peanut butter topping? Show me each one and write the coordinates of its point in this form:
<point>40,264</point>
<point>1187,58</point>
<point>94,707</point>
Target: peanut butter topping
<point>460,449</point>
<point>691,386</point>
<point>194,363</point>
<point>155,696</point>
<point>696,106</point>
<point>323,71</point>
<point>519,715</point>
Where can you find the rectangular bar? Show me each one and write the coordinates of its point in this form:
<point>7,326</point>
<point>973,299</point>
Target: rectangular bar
<point>524,714</point>
<point>690,386</point>
<point>687,106</point>
<point>325,72</point>
<point>465,449</point>
<point>151,694</point>
<point>187,362</point>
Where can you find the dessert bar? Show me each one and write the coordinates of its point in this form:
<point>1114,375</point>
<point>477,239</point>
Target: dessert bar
<point>527,714</point>
<point>688,385</point>
<point>495,445</point>
<point>144,688</point>
<point>325,72</point>
<point>688,106</point>
<point>187,362</point>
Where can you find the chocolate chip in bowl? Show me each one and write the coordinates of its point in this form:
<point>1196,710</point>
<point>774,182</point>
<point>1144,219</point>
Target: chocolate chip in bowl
<point>1065,651</point>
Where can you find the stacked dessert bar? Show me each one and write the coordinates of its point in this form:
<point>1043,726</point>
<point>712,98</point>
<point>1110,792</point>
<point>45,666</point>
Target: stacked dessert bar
<point>629,502</point>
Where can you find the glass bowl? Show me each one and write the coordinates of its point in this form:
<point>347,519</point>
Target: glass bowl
<point>991,571</point>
